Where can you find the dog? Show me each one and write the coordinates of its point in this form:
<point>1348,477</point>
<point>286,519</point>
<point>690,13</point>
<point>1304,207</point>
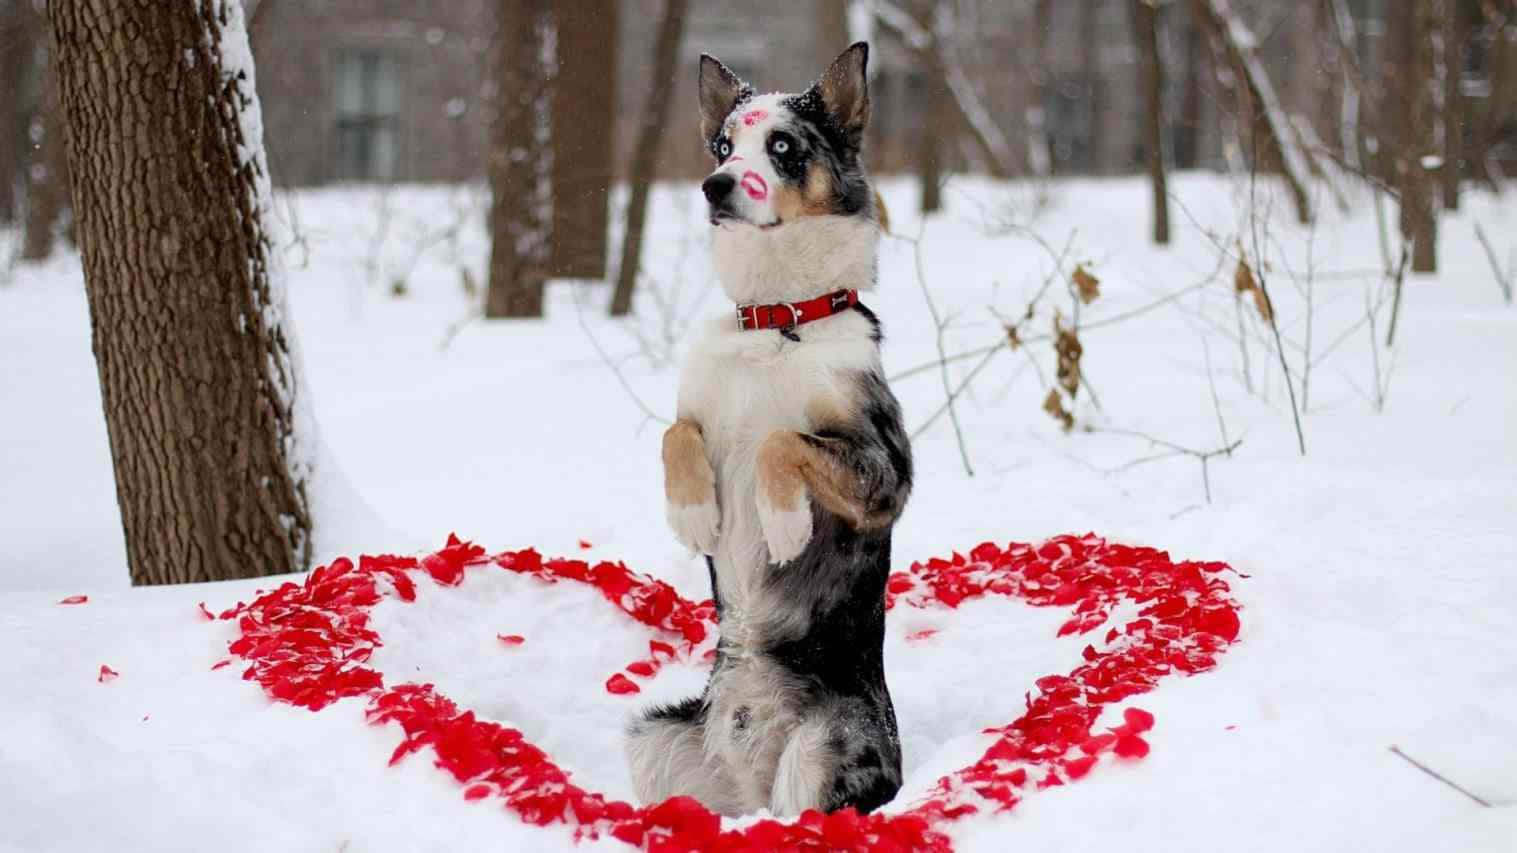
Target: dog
<point>787,467</point>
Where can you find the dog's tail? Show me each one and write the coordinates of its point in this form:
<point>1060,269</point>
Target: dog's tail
<point>881,215</point>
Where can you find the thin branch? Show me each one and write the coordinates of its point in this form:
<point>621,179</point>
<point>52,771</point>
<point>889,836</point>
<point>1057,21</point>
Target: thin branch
<point>1390,335</point>
<point>937,320</point>
<point>1502,279</point>
<point>615,369</point>
<point>1172,450</point>
<point>1274,323</point>
<point>1439,776</point>
<point>1216,402</point>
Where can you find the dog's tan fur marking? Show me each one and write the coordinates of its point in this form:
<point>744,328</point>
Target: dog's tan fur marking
<point>790,466</point>
<point>688,478</point>
<point>816,196</point>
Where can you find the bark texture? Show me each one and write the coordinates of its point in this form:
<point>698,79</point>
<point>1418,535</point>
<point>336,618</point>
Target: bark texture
<point>521,161</point>
<point>584,89</point>
<point>1145,22</point>
<point>195,361</point>
<point>655,118</point>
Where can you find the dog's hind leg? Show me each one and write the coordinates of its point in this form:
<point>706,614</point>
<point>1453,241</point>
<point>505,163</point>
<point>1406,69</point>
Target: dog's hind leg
<point>667,756</point>
<point>805,770</point>
<point>848,757</point>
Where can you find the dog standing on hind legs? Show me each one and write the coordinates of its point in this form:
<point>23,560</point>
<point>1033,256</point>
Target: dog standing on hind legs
<point>787,467</point>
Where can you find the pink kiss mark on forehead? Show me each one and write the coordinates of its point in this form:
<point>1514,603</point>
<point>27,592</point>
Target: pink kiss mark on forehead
<point>753,117</point>
<point>754,184</point>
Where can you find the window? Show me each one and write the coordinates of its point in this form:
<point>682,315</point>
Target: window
<point>367,95</point>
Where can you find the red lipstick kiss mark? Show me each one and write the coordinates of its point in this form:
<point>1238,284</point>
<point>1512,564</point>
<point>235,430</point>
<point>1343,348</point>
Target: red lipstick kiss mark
<point>754,184</point>
<point>753,117</point>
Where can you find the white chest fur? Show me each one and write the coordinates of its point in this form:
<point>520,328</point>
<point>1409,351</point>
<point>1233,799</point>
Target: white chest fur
<point>740,386</point>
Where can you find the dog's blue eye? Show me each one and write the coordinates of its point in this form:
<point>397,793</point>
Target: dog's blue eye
<point>724,149</point>
<point>781,146</point>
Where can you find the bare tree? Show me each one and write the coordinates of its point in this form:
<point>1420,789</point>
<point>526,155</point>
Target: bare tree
<point>15,60</point>
<point>520,161</point>
<point>655,116</point>
<point>197,366</point>
<point>1411,125</point>
<point>930,41</point>
<point>1035,117</point>
<point>1455,34</point>
<point>584,88</point>
<point>1267,129</point>
<point>1494,113</point>
<point>47,166</point>
<point>831,30</point>
<point>1145,24</point>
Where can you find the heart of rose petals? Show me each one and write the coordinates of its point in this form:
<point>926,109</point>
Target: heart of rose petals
<point>307,645</point>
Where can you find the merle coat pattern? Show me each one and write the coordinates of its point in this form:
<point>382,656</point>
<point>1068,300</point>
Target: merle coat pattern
<point>787,467</point>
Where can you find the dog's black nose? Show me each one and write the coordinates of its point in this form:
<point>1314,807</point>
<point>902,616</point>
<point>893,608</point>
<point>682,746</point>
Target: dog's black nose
<point>718,187</point>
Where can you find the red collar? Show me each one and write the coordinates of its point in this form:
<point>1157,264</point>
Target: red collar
<point>788,315</point>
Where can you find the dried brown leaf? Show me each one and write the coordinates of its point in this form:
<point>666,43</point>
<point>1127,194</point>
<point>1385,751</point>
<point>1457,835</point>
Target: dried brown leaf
<point>1243,278</point>
<point>1053,404</point>
<point>1068,348</point>
<point>1086,285</point>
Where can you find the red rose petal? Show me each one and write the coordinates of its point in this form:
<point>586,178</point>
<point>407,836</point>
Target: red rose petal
<point>1138,719</point>
<point>1131,746</point>
<point>107,674</point>
<point>621,685</point>
<point>75,599</point>
<point>511,639</point>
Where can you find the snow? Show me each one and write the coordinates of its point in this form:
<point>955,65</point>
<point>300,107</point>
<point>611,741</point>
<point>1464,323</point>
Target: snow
<point>1377,612</point>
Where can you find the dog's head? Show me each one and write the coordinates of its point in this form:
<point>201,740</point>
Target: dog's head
<point>782,158</point>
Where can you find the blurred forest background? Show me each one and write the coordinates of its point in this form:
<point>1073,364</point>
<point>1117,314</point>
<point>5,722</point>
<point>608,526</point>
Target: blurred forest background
<point>556,101</point>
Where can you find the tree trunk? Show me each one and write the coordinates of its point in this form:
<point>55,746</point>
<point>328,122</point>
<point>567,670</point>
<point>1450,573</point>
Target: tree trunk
<point>1145,22</point>
<point>1455,34</point>
<point>1492,112</point>
<point>1098,142</point>
<point>832,38</point>
<point>1187,134</point>
<point>47,172</point>
<point>584,159</point>
<point>521,162</point>
<point>645,157</point>
<point>1039,150</point>
<point>1413,123</point>
<point>197,366</point>
<point>15,59</point>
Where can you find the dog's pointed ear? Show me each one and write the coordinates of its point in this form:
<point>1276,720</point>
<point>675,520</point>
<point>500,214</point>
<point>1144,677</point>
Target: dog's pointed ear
<point>844,90</point>
<point>720,92</point>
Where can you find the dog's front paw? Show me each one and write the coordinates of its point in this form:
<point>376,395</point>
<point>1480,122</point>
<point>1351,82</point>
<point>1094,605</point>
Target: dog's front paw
<point>786,531</point>
<point>696,525</point>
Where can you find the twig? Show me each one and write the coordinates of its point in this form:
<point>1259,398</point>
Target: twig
<point>937,320</point>
<point>1439,776</point>
<point>1390,335</point>
<point>579,315</point>
<point>968,378</point>
<point>1503,280</point>
<point>475,313</point>
<point>1370,310</point>
<point>1172,450</point>
<point>1274,322</point>
<point>1216,403</point>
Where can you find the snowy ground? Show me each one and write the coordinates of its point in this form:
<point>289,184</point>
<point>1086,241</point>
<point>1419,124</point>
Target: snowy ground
<point>1378,611</point>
